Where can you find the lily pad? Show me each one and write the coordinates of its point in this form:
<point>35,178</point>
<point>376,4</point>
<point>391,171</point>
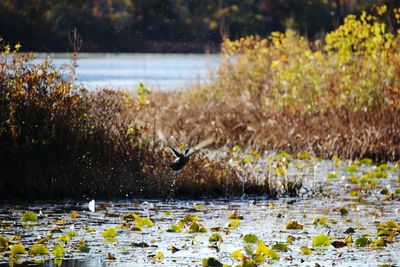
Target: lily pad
<point>29,216</point>
<point>58,251</point>
<point>293,225</point>
<point>110,232</point>
<point>250,238</point>
<point>18,249</point>
<point>305,250</point>
<point>362,241</point>
<point>321,240</point>
<point>39,249</point>
<point>215,237</point>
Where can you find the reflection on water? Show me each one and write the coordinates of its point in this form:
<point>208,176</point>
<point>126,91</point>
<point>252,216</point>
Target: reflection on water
<point>126,71</point>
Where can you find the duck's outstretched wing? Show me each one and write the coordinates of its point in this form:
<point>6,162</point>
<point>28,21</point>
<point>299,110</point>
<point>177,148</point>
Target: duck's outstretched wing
<point>200,145</point>
<point>175,152</point>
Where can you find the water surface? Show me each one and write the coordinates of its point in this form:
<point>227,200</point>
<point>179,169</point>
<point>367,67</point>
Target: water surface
<point>126,71</point>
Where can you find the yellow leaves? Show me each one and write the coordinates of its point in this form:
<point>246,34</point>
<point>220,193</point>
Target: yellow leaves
<point>234,223</point>
<point>237,254</point>
<point>18,249</point>
<point>74,214</point>
<point>305,250</point>
<point>3,244</point>
<point>39,249</point>
<point>381,10</point>
<point>158,256</point>
<point>262,248</point>
<point>293,225</point>
<point>58,250</point>
<point>109,232</point>
<point>64,238</point>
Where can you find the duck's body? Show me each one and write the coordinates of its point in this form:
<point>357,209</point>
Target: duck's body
<point>183,158</point>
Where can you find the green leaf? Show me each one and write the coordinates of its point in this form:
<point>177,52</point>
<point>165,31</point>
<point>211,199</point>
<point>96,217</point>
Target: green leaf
<point>248,159</point>
<point>18,249</point>
<point>280,247</point>
<point>3,244</point>
<point>174,228</point>
<point>293,225</point>
<point>366,161</point>
<point>58,250</point>
<point>64,238</point>
<point>362,241</point>
<point>352,168</point>
<point>321,240</point>
<point>305,250</point>
<point>250,238</point>
<point>110,232</point>
<point>140,222</point>
<point>191,218</point>
<point>197,228</point>
<point>234,223</point>
<point>29,216</point>
<point>39,249</point>
<point>273,255</point>
<point>72,233</point>
<point>332,175</point>
<point>383,167</point>
<point>215,237</point>
<point>320,220</point>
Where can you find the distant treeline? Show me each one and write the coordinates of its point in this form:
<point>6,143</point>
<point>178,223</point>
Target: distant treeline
<point>163,25</point>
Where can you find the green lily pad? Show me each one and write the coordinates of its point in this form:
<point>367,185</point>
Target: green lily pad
<point>293,225</point>
<point>39,249</point>
<point>110,232</point>
<point>215,237</point>
<point>250,238</point>
<point>18,249</point>
<point>58,251</point>
<point>321,240</point>
<point>362,241</point>
<point>305,250</point>
<point>280,247</point>
<point>29,216</point>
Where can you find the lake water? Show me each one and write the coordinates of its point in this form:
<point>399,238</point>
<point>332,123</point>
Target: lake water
<point>126,71</point>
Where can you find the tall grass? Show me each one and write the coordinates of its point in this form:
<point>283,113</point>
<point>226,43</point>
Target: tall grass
<point>60,141</point>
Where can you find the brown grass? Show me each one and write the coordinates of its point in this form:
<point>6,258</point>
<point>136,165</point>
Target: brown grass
<point>349,134</point>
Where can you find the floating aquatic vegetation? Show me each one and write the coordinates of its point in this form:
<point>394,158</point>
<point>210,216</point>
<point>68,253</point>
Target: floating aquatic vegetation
<point>109,233</point>
<point>3,244</point>
<point>362,241</point>
<point>158,256</point>
<point>39,249</point>
<point>250,238</point>
<point>64,238</point>
<point>332,175</point>
<point>305,250</point>
<point>320,221</point>
<point>215,237</point>
<point>293,225</point>
<point>280,247</point>
<point>29,216</point>
<point>321,240</point>
<point>18,249</point>
<point>197,228</point>
<point>235,215</point>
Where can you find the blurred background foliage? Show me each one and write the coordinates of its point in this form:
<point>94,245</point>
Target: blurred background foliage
<point>165,25</point>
